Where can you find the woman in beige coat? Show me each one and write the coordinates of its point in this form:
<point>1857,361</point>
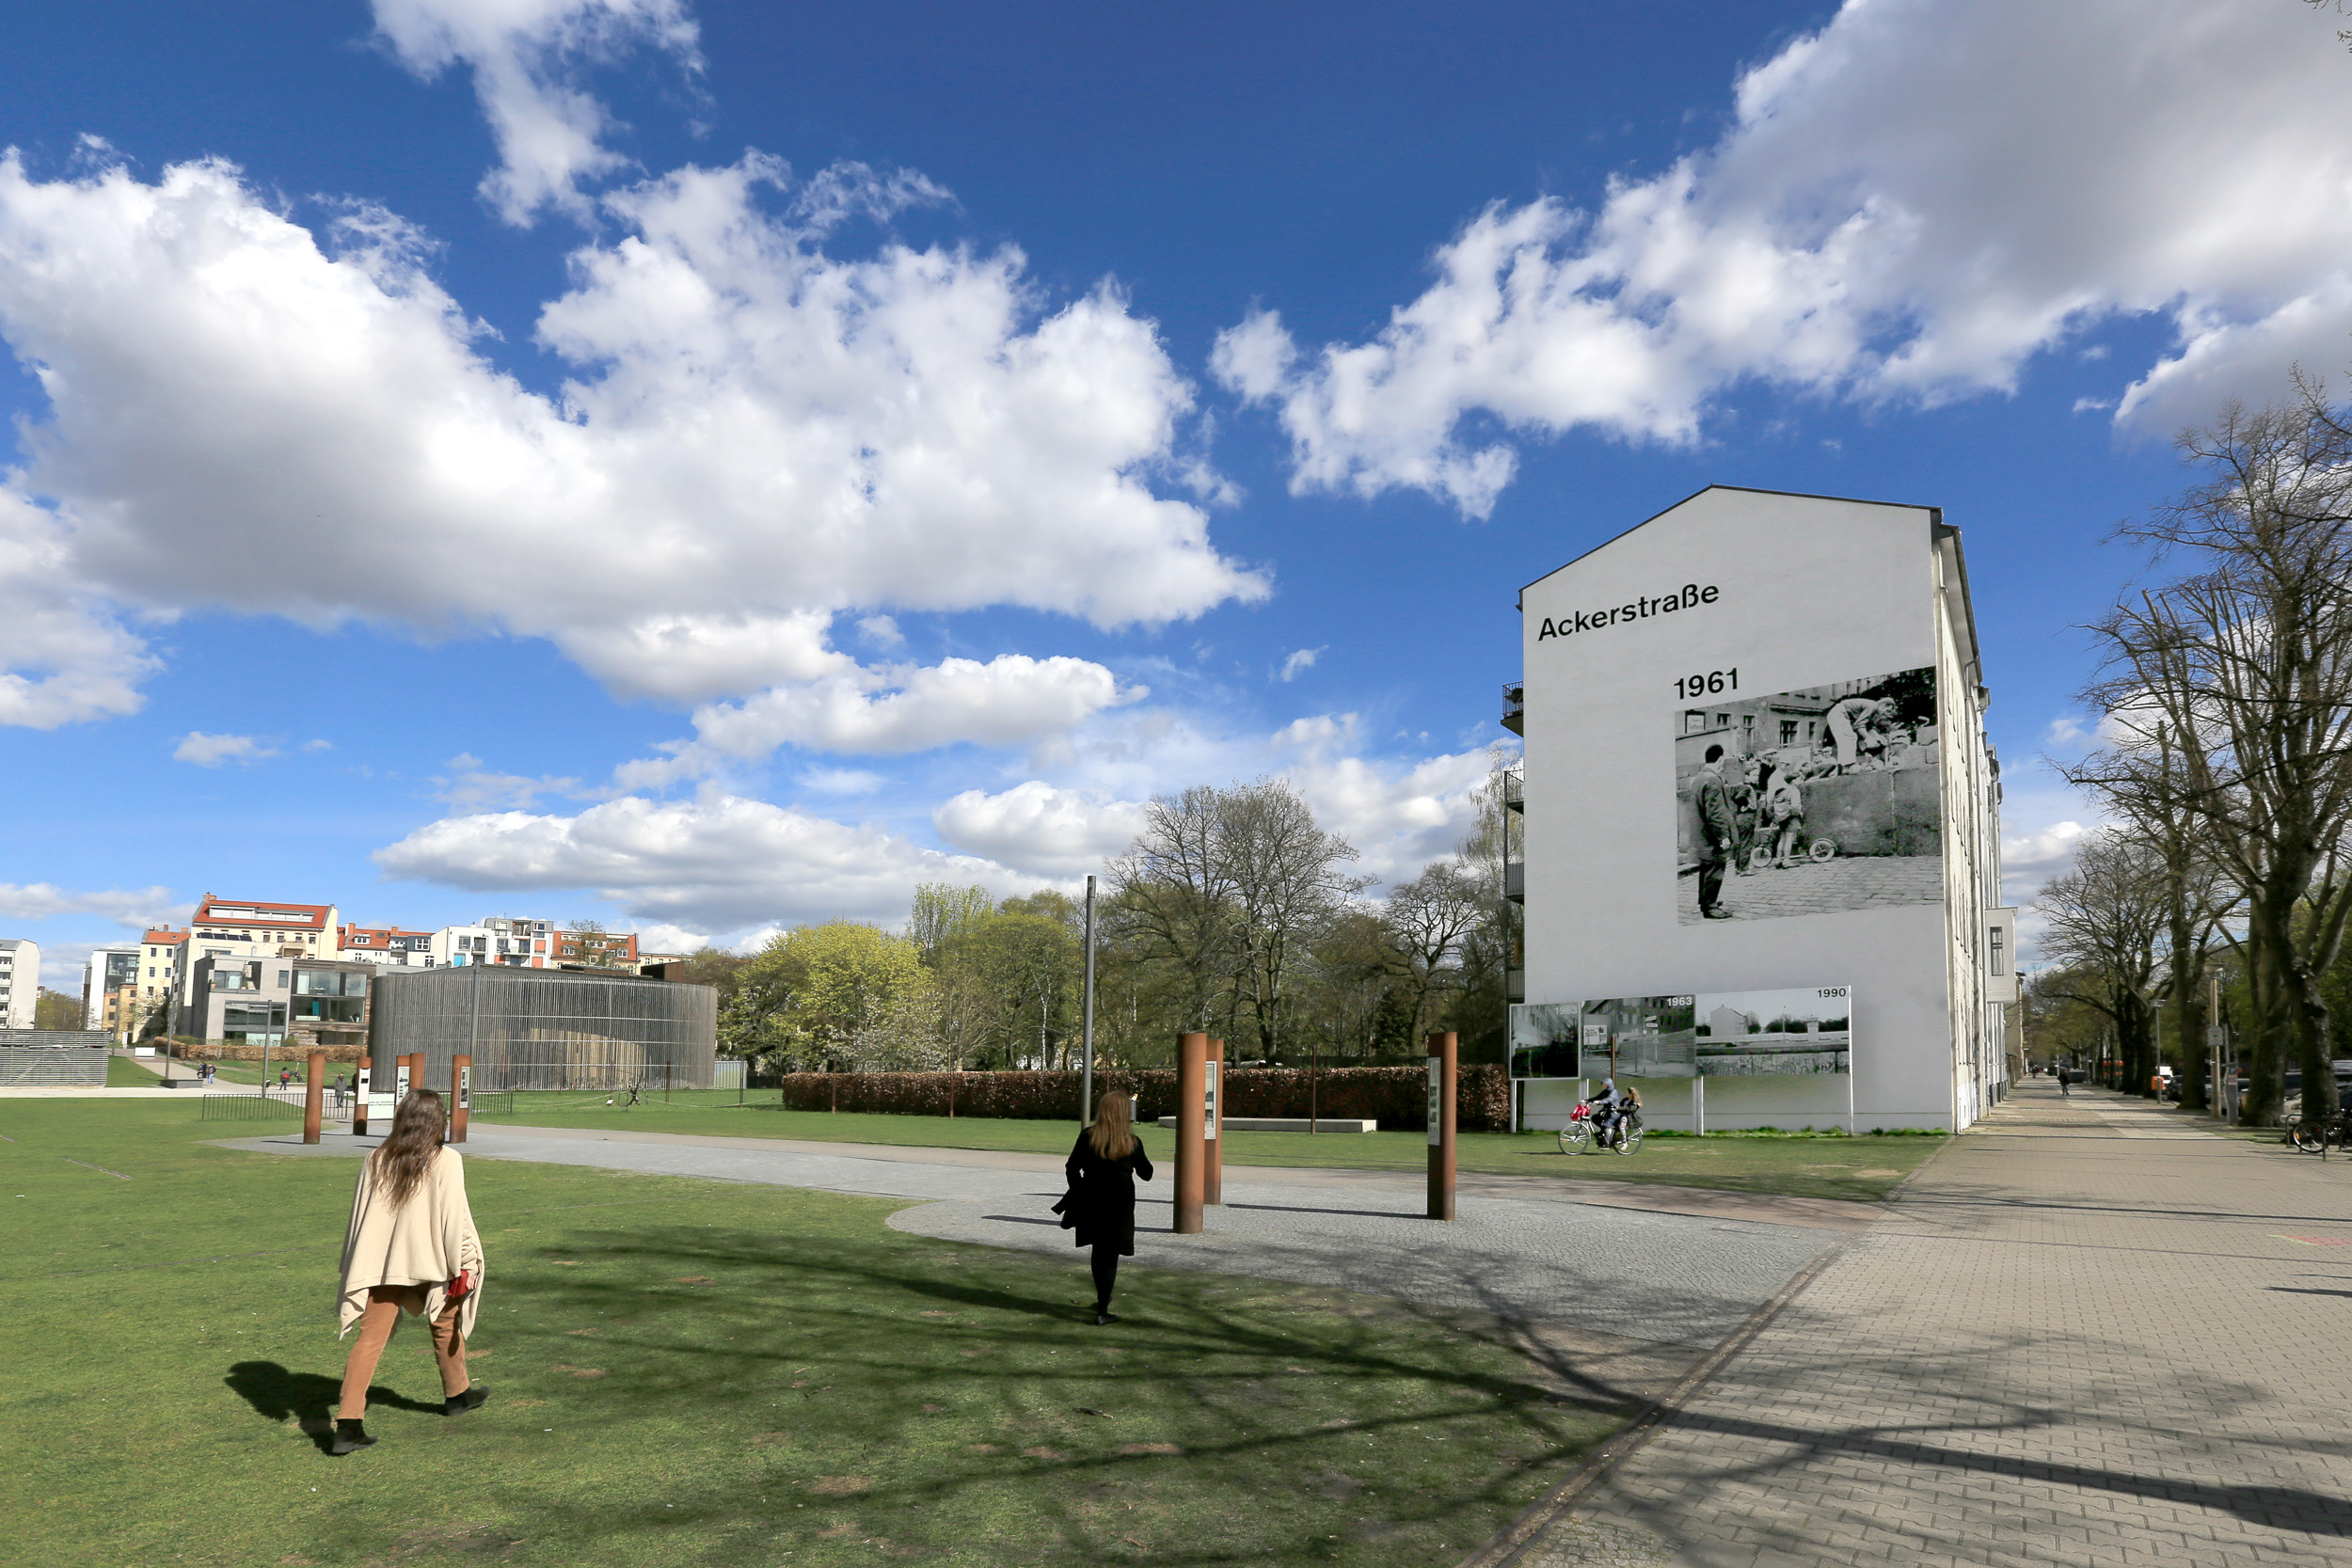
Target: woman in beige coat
<point>412,1247</point>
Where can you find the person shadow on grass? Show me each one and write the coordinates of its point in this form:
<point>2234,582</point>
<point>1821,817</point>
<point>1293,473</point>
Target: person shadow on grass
<point>283,1395</point>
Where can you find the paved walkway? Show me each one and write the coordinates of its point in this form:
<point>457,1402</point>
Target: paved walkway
<point>2086,1334</point>
<point>1536,1256</point>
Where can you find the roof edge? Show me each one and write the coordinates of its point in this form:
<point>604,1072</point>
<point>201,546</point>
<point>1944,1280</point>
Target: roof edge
<point>1935,512</point>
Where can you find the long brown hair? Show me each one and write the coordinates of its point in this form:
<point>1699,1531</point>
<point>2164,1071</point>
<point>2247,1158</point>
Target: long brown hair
<point>400,1160</point>
<point>1113,1133</point>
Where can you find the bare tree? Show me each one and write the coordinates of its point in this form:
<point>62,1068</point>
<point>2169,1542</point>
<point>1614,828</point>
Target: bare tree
<point>2105,918</point>
<point>1287,884</point>
<point>1174,899</point>
<point>2242,667</point>
<point>1428,919</point>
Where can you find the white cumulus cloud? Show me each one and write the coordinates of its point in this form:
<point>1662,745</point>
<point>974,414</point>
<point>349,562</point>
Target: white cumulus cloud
<point>1010,701</point>
<point>758,436</point>
<point>528,57</point>
<point>718,863</point>
<point>64,656</point>
<point>1908,204</point>
<point>1036,828</point>
<point>211,750</point>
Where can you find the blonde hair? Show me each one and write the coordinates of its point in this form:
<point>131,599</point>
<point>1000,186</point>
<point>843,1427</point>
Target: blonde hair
<point>1113,1133</point>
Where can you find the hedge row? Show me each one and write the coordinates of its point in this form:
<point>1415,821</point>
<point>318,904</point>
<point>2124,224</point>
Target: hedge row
<point>293,1050</point>
<point>1398,1097</point>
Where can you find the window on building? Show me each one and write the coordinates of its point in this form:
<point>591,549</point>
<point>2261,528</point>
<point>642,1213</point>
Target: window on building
<point>1999,957</point>
<point>1693,724</point>
<point>1788,732</point>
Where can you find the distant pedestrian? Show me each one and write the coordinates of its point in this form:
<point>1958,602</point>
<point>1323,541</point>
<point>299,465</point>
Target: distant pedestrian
<point>1100,1205</point>
<point>284,1077</point>
<point>411,1247</point>
<point>2065,1078</point>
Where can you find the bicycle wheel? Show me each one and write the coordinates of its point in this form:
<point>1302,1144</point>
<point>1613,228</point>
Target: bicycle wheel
<point>1821,849</point>
<point>2311,1140</point>
<point>1576,1137</point>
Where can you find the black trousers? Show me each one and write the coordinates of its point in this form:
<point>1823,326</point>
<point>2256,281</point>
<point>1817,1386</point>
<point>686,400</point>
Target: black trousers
<point>1106,1265</point>
<point>1711,883</point>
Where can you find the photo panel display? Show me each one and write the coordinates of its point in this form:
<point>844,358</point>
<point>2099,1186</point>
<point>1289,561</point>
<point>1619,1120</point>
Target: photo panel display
<point>1798,1029</point>
<point>1812,801</point>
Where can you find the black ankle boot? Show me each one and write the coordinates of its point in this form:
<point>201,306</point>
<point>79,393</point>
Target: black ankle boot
<point>457,1404</point>
<point>350,1437</point>
<point>1105,1315</point>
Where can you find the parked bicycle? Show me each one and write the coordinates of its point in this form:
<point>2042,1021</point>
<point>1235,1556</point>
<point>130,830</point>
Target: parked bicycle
<point>2316,1137</point>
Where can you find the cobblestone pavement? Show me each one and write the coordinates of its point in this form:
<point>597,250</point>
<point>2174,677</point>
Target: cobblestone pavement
<point>1822,887</point>
<point>2088,1333</point>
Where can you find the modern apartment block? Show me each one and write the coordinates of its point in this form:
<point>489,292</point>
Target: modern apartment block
<point>291,1004</point>
<point>19,981</point>
<point>251,929</point>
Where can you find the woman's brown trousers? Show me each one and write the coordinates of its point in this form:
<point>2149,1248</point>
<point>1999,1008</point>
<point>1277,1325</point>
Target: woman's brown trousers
<point>385,1304</point>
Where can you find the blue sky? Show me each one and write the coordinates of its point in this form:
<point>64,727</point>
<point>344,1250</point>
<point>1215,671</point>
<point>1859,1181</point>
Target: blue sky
<point>703,467</point>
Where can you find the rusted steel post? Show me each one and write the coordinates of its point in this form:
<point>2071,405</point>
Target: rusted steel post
<point>1441,1113</point>
<point>460,1097</point>
<point>1192,1076</point>
<point>1211,1116</point>
<point>314,1097</point>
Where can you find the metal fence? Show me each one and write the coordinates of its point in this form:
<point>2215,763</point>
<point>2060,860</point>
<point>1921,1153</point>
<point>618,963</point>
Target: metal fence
<point>547,1029</point>
<point>270,1104</point>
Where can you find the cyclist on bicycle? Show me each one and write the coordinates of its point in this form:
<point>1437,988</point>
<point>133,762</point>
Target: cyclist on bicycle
<point>1604,1107</point>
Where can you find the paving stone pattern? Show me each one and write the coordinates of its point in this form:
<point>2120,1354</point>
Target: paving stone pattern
<point>2089,1333</point>
<point>1673,1278</point>
<point>1823,887</point>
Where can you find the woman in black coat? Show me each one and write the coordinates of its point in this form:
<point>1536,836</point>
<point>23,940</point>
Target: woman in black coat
<point>1100,1203</point>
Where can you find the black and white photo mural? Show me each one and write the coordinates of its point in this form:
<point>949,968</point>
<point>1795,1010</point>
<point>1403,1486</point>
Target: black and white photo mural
<point>1809,801</point>
<point>1705,1035</point>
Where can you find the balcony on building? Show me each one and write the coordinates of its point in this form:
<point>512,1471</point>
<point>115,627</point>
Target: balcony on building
<point>1515,707</point>
<point>1515,882</point>
<point>1515,788</point>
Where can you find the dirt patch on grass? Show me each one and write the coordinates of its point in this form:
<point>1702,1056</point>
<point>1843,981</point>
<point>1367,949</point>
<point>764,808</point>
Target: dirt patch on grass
<point>839,1486</point>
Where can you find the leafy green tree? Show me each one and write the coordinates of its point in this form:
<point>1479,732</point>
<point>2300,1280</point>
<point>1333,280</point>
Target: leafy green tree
<point>812,997</point>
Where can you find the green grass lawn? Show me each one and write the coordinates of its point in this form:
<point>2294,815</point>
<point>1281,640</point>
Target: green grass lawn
<point>699,1372</point>
<point>1861,1168</point>
<point>122,1074</point>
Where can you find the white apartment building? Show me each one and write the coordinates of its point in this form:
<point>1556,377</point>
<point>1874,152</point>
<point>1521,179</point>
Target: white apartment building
<point>1762,871</point>
<point>110,992</point>
<point>19,981</point>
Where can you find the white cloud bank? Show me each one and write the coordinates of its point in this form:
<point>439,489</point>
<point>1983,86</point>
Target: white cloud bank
<point>758,436</point>
<point>139,907</point>
<point>718,863</point>
<point>1908,205</point>
<point>1010,701</point>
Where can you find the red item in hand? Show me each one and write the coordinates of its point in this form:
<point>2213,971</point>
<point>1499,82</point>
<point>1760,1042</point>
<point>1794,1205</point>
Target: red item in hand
<point>461,1287</point>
